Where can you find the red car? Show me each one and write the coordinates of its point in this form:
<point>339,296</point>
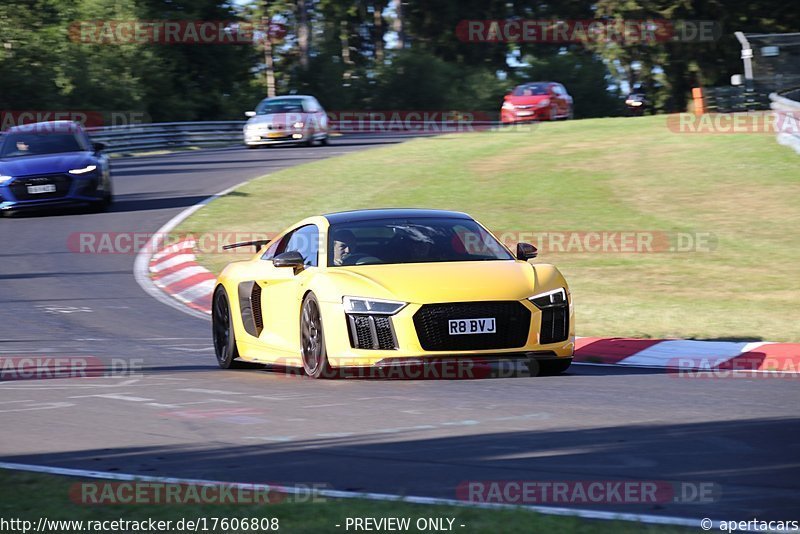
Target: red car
<point>537,101</point>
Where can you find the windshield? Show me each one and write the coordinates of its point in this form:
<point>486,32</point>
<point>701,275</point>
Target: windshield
<point>280,105</point>
<point>535,89</point>
<point>19,144</point>
<point>411,240</point>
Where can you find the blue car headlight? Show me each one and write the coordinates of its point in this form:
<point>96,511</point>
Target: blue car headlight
<point>84,170</point>
<point>5,179</point>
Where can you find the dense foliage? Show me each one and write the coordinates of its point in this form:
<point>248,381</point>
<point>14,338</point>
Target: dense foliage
<point>356,54</point>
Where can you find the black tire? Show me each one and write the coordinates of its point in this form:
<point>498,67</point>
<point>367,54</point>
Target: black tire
<point>312,340</point>
<point>548,367</point>
<point>222,329</point>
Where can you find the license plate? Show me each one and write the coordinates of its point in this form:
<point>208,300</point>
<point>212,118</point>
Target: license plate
<point>524,113</point>
<point>46,188</point>
<point>459,327</point>
<point>275,135</point>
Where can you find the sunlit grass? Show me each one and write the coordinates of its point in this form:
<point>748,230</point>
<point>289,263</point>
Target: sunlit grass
<point>739,191</point>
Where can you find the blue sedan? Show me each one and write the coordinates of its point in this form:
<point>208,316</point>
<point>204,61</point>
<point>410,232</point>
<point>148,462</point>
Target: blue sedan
<point>51,164</point>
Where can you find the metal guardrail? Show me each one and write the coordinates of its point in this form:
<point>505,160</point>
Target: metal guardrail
<point>787,118</point>
<point>168,135</point>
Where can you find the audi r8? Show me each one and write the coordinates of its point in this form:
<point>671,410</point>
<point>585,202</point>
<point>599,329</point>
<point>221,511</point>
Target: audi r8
<point>50,164</point>
<point>391,287</point>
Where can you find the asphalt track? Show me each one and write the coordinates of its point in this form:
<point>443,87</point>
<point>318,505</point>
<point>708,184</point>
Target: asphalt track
<point>182,416</point>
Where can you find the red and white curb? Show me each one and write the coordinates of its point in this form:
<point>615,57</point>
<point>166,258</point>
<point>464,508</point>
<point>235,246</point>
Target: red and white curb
<point>176,272</point>
<point>686,354</point>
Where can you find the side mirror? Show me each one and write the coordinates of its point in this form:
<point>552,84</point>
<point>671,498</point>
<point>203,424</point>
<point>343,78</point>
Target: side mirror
<point>98,147</point>
<point>249,113</point>
<point>289,259</point>
<point>526,251</point>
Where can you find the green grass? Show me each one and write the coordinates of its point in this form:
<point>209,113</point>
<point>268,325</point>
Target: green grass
<point>29,496</point>
<point>590,175</point>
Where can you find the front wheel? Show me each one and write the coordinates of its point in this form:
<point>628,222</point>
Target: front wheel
<point>222,329</point>
<point>548,367</point>
<point>312,340</point>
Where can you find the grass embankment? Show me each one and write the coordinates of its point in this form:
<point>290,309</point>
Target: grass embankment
<point>29,497</point>
<point>602,175</point>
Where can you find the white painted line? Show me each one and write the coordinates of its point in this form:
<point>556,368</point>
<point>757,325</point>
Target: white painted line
<point>41,406</point>
<point>211,391</point>
<point>337,494</point>
<point>115,396</point>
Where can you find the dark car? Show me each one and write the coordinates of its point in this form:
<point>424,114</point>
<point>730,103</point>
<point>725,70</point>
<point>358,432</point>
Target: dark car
<point>537,101</point>
<point>50,164</point>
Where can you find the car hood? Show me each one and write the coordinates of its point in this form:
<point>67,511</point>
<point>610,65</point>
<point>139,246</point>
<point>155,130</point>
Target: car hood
<point>45,164</point>
<point>439,282</point>
<point>277,118</point>
<point>527,100</point>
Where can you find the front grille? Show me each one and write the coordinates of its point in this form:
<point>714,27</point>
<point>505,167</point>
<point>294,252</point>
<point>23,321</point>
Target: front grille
<point>371,332</point>
<point>19,187</point>
<point>555,324</point>
<point>512,321</point>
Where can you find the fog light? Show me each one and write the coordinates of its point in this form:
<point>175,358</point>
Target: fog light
<point>297,136</point>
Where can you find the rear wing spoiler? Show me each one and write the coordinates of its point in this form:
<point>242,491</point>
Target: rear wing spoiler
<point>257,244</point>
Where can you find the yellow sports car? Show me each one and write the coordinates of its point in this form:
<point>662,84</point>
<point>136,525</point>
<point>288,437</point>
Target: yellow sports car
<point>391,287</point>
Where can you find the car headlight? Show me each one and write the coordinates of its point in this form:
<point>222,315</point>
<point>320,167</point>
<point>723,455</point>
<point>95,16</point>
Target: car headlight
<point>372,306</point>
<point>545,102</point>
<point>88,168</point>
<point>509,106</point>
<point>557,297</point>
<point>298,124</point>
<point>5,179</point>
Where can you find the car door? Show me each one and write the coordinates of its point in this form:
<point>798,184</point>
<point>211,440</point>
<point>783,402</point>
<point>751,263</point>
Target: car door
<point>282,289</point>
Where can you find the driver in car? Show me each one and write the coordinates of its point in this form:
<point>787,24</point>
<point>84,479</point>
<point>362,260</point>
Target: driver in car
<point>344,246</point>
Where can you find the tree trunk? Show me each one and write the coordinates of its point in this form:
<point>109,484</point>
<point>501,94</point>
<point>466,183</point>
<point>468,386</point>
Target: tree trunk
<point>303,33</point>
<point>399,25</point>
<point>348,62</point>
<point>379,30</point>
<point>269,64</point>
